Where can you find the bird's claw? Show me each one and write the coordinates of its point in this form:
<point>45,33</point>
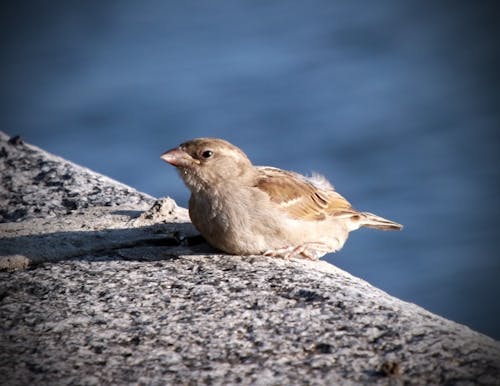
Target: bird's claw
<point>310,251</point>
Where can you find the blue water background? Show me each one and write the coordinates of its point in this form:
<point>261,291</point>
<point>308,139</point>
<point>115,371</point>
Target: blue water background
<point>395,102</point>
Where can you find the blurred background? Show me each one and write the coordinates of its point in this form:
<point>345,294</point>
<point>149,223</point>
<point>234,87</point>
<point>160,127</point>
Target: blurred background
<point>395,102</point>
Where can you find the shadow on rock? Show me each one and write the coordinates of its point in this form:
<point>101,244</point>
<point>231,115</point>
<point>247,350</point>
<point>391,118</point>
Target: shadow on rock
<point>146,243</point>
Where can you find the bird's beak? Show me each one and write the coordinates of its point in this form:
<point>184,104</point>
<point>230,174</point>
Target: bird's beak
<point>178,158</point>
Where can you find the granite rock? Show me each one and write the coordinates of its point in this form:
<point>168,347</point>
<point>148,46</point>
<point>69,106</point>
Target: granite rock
<point>101,284</point>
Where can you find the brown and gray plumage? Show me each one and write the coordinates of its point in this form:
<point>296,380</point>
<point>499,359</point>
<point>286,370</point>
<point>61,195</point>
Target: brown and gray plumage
<point>249,210</point>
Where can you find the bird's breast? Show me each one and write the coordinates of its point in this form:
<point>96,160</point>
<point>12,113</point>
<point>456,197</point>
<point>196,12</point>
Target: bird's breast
<point>231,220</point>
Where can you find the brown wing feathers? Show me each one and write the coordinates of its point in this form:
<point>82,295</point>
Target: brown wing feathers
<point>300,198</point>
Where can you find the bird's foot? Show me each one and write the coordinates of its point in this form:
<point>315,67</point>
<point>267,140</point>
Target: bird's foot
<point>311,251</point>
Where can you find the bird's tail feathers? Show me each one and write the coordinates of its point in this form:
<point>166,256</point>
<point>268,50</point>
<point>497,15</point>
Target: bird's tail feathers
<point>371,220</point>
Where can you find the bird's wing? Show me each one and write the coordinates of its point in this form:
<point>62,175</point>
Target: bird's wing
<point>300,198</point>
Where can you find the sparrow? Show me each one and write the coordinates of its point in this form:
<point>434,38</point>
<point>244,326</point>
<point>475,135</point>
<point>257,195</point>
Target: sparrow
<point>244,209</point>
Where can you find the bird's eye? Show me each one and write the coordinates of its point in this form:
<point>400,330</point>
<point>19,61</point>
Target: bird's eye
<point>207,154</point>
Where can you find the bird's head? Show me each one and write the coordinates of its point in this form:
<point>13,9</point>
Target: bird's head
<point>206,162</point>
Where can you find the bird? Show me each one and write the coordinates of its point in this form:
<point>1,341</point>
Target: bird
<point>242,209</point>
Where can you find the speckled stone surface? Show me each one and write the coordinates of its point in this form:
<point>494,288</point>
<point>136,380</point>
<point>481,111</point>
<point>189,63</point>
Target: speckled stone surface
<point>37,184</point>
<point>120,294</point>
